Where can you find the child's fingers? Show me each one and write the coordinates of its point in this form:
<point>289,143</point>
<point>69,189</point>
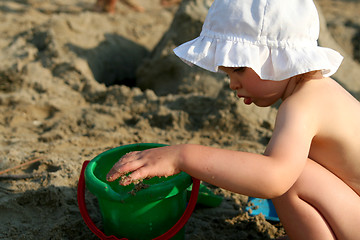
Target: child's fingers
<point>137,175</point>
<point>125,180</point>
<point>122,169</point>
<point>128,157</point>
<point>126,164</point>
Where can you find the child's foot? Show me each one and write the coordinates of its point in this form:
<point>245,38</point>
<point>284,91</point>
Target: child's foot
<point>105,6</point>
<point>168,3</point>
<point>99,6</point>
<point>136,7</point>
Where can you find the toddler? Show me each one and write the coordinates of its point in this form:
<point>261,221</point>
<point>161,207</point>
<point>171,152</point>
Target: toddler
<point>311,166</point>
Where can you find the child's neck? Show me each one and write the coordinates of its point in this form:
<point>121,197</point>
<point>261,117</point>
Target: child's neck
<point>294,83</point>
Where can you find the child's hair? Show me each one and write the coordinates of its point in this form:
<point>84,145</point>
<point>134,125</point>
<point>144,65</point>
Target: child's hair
<point>304,76</point>
<point>276,38</point>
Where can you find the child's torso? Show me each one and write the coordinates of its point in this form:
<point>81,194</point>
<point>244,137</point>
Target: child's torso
<point>336,145</point>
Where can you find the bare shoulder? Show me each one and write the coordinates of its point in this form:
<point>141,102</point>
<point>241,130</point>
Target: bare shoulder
<point>332,100</point>
<point>325,107</point>
<point>336,142</point>
<point>325,115</point>
<point>323,97</point>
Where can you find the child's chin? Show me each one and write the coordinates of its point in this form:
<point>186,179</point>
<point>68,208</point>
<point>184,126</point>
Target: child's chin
<point>259,104</point>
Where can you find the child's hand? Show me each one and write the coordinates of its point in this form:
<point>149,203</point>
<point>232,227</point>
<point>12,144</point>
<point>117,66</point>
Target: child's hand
<point>162,161</point>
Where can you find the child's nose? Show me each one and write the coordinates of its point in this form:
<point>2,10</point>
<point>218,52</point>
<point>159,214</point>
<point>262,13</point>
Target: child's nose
<point>234,85</point>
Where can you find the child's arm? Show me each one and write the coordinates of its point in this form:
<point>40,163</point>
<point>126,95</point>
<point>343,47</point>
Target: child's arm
<point>251,174</point>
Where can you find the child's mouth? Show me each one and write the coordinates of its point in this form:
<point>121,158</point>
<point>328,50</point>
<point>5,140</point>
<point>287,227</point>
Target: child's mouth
<point>247,100</point>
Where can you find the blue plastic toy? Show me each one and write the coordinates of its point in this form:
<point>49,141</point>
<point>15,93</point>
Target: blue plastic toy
<point>264,206</point>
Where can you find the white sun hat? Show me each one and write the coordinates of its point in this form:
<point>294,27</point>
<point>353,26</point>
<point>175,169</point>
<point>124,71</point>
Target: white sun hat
<point>276,38</point>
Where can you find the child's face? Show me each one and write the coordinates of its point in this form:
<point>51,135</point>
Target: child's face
<point>252,88</point>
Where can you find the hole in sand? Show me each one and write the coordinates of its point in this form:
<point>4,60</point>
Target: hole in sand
<point>114,61</point>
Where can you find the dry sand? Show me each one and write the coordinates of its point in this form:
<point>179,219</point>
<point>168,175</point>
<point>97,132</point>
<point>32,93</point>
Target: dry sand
<point>67,93</point>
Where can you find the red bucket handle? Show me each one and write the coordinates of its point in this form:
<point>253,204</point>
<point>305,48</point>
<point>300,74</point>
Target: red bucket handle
<point>169,234</point>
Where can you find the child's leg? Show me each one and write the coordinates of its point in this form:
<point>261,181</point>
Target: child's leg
<point>105,5</point>
<point>110,6</point>
<point>99,5</point>
<point>319,206</point>
<point>167,3</point>
<point>132,4</point>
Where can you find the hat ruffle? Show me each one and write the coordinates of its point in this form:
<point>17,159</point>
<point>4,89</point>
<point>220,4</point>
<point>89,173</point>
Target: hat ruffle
<point>269,62</point>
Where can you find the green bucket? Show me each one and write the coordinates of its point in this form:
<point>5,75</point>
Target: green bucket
<point>145,213</point>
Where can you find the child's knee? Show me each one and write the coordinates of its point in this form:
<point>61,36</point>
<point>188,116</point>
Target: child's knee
<point>287,196</point>
<point>305,183</point>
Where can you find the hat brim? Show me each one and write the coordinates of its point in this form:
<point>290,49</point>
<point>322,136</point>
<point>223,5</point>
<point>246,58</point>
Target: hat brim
<point>270,63</point>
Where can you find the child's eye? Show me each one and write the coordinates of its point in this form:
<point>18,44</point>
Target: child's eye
<point>240,69</point>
